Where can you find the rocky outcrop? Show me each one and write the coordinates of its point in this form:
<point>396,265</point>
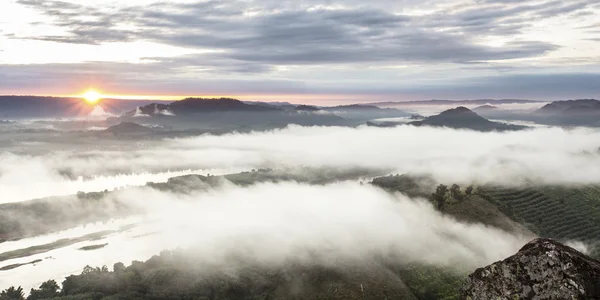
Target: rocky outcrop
<point>542,269</point>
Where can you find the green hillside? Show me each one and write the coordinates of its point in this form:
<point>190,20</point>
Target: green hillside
<point>469,208</point>
<point>563,213</point>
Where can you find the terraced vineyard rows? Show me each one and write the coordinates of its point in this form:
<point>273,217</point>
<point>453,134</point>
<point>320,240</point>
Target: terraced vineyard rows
<point>555,212</point>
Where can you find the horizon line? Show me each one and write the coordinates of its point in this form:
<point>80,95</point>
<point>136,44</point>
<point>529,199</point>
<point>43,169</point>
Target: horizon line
<point>241,98</point>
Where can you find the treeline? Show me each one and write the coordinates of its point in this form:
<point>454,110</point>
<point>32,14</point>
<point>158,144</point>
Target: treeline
<point>176,275</point>
<point>415,186</point>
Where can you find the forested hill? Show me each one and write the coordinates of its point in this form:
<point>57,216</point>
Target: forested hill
<point>464,118</point>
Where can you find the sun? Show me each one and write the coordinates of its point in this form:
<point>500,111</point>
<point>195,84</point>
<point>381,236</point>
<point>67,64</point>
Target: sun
<point>91,96</point>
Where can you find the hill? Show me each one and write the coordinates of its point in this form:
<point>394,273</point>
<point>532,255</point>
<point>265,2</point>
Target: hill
<point>584,112</point>
<point>485,108</point>
<point>190,106</point>
<point>307,108</point>
<point>563,213</point>
<point>464,118</point>
<point>363,113</point>
<point>354,107</point>
<point>572,108</point>
<point>128,128</point>
<point>460,204</point>
<point>176,275</point>
<point>361,108</point>
<point>276,104</point>
<point>225,115</point>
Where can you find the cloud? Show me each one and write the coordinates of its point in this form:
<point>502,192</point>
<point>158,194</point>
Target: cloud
<point>540,155</point>
<point>343,220</point>
<point>551,86</point>
<point>272,225</point>
<point>278,42</point>
<point>295,35</point>
<point>148,78</point>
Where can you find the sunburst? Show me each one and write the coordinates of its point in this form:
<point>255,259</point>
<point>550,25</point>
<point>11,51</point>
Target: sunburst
<point>92,96</point>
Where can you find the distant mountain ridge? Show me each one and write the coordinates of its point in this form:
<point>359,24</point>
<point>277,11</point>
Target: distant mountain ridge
<point>355,107</point>
<point>128,128</point>
<point>307,108</point>
<point>190,106</point>
<point>572,107</point>
<point>484,108</point>
<point>455,102</point>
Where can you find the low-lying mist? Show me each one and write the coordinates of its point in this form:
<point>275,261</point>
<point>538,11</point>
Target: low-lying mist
<point>427,110</point>
<point>273,225</point>
<point>539,155</point>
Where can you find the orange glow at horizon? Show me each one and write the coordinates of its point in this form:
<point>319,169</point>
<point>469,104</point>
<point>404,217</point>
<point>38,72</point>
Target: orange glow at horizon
<point>92,96</point>
<point>313,99</point>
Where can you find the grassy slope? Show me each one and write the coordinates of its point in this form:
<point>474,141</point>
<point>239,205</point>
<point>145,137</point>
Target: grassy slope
<point>563,213</point>
<point>475,209</point>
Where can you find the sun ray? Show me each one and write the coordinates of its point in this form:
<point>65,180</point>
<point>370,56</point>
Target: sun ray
<point>92,96</point>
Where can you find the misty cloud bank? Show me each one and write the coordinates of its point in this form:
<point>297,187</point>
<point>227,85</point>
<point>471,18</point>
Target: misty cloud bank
<point>345,221</point>
<point>275,224</point>
<point>540,155</point>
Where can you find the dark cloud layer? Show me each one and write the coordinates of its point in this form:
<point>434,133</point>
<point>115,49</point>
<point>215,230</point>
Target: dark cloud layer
<point>127,77</point>
<point>239,43</point>
<point>297,36</point>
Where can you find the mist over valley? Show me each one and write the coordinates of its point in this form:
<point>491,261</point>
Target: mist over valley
<point>314,150</point>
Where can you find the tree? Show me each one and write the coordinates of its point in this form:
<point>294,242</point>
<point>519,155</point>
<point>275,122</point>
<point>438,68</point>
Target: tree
<point>469,190</point>
<point>440,196</point>
<point>12,293</point>
<point>455,192</point>
<point>48,289</point>
<point>118,267</point>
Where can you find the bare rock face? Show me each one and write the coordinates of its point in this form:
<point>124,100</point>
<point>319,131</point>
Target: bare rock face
<point>542,269</point>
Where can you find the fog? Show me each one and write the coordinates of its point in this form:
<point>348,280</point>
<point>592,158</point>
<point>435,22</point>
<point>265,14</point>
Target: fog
<point>427,110</point>
<point>271,224</point>
<point>539,155</point>
<point>274,224</point>
<point>344,220</point>
<point>25,179</point>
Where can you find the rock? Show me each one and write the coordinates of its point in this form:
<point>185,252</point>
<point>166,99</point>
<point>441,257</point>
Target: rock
<point>542,269</point>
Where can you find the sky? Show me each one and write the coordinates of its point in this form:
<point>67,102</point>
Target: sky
<point>314,51</point>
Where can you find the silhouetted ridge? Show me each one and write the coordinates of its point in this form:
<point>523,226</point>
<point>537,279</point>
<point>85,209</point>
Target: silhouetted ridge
<point>197,105</point>
<point>461,110</point>
<point>356,107</point>
<point>572,107</point>
<point>307,108</point>
<point>485,108</point>
<point>128,127</point>
<point>221,104</point>
<point>464,118</point>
